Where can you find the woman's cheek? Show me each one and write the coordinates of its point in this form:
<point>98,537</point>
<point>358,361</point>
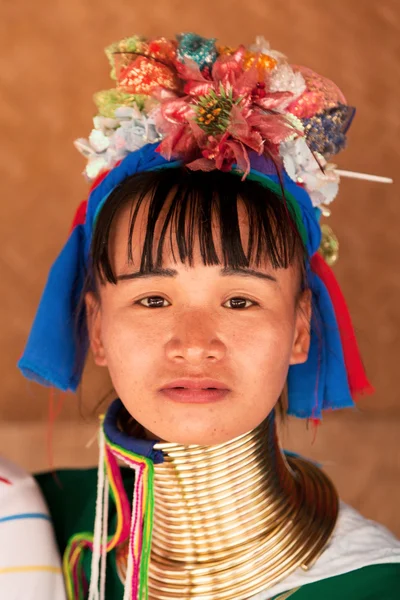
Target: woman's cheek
<point>127,341</point>
<point>269,347</point>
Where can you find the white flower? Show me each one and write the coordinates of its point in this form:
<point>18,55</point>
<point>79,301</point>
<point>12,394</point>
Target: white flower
<point>112,139</point>
<point>98,141</point>
<point>302,167</point>
<point>263,46</point>
<point>284,79</point>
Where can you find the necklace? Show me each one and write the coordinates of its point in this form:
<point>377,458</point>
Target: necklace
<point>232,520</point>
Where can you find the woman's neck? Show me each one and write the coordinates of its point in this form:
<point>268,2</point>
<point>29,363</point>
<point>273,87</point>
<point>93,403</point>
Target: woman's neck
<point>232,520</point>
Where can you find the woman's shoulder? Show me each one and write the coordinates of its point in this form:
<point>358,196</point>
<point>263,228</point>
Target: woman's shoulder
<point>71,497</point>
<point>29,556</point>
<point>375,582</point>
<point>359,542</point>
<point>362,561</point>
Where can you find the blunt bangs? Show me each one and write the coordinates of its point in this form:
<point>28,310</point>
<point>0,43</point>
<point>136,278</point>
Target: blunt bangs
<point>188,207</point>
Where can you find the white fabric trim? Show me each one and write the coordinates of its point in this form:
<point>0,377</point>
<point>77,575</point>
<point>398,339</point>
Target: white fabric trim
<point>356,542</point>
<point>30,565</point>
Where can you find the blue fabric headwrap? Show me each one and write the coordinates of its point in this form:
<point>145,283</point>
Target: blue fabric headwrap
<point>54,357</point>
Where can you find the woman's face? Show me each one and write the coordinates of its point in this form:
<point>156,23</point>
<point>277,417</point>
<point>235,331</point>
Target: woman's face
<point>167,336</point>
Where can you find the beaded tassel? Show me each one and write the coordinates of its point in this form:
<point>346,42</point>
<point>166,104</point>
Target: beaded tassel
<point>134,522</point>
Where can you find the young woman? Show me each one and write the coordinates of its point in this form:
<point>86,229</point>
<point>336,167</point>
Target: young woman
<point>194,274</point>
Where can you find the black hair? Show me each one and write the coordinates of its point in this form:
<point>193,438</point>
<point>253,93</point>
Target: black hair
<point>186,203</point>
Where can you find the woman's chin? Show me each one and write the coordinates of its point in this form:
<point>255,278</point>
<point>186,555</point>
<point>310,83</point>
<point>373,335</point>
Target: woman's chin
<point>203,424</point>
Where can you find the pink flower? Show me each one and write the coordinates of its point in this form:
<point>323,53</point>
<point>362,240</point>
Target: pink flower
<point>223,115</point>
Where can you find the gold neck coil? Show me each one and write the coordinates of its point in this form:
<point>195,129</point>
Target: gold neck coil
<point>233,519</point>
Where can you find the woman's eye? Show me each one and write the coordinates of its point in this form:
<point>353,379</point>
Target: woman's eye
<point>154,302</point>
<point>239,303</point>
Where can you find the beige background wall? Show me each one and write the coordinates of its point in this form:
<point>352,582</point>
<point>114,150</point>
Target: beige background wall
<point>51,61</point>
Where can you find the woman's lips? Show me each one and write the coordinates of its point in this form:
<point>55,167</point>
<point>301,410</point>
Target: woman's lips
<point>194,396</point>
<point>195,391</point>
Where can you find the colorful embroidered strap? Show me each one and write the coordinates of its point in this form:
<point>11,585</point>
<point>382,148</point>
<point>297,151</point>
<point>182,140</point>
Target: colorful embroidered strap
<point>133,523</point>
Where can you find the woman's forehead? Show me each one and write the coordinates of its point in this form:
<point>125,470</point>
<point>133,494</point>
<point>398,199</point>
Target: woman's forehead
<point>170,258</point>
<point>126,232</point>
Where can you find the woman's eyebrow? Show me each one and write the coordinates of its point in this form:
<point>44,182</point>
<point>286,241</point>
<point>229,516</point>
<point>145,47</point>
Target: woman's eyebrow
<point>245,272</point>
<point>146,274</point>
<point>225,272</point>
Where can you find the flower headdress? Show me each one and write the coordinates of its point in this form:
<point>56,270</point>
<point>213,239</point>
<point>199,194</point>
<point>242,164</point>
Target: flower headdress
<point>211,106</point>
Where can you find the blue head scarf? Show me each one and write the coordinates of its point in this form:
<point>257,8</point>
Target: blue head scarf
<point>54,357</point>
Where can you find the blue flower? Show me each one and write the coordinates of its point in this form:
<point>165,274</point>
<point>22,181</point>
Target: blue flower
<point>326,131</point>
<point>201,50</point>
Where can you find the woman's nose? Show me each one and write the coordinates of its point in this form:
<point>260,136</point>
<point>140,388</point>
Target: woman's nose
<point>195,341</point>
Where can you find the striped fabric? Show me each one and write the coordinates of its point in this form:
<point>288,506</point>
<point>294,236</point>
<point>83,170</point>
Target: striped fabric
<point>30,566</point>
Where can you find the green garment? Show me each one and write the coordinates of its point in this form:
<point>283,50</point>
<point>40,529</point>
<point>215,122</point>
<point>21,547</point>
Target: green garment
<point>376,582</point>
<point>71,497</point>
